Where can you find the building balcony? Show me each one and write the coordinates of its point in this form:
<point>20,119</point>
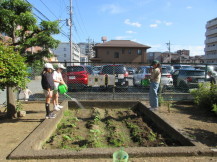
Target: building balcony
<point>209,57</point>
<point>211,40</point>
<point>211,23</point>
<point>214,48</point>
<point>211,32</point>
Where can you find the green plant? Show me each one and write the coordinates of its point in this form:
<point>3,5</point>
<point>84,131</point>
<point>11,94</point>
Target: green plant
<point>214,106</point>
<point>204,96</point>
<point>19,106</point>
<point>160,99</point>
<point>152,136</point>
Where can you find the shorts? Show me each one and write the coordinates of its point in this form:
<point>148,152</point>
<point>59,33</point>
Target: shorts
<point>46,93</point>
<point>55,91</point>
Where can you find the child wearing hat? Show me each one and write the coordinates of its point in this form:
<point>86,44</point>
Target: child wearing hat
<point>58,79</point>
<point>48,87</point>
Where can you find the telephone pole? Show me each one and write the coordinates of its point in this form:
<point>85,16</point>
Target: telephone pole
<point>70,37</point>
<point>168,44</point>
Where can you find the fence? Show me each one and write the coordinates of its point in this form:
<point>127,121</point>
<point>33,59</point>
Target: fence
<point>124,81</point>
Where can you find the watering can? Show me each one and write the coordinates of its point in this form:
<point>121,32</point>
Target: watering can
<point>120,156</point>
<point>145,82</point>
<point>63,89</point>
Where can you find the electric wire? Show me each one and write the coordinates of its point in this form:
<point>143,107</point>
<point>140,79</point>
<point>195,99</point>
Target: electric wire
<point>48,9</point>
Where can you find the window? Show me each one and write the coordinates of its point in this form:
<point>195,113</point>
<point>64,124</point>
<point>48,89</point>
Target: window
<point>129,51</point>
<point>116,55</point>
<point>64,49</point>
<point>139,52</point>
<point>64,55</point>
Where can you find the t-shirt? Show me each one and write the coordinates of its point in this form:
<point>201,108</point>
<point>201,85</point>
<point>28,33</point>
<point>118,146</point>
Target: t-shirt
<point>57,76</point>
<point>156,75</point>
<point>47,81</point>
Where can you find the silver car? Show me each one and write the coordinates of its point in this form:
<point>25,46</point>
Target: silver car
<point>143,72</point>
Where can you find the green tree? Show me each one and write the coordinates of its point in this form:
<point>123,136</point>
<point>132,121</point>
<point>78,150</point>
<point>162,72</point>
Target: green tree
<point>18,23</point>
<point>13,73</point>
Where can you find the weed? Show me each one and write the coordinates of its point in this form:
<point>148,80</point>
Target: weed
<point>214,106</point>
<point>152,136</point>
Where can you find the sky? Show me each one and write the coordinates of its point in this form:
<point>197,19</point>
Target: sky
<point>150,22</point>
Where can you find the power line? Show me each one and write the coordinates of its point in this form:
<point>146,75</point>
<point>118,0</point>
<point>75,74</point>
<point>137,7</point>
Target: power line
<point>49,9</point>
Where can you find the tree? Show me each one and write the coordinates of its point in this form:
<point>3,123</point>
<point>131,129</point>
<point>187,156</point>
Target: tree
<point>18,23</point>
<point>13,73</point>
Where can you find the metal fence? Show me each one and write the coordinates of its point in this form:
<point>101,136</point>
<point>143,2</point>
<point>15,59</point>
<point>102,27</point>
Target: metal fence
<point>123,81</point>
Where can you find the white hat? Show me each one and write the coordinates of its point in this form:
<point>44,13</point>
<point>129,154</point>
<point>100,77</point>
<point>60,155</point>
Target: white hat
<point>61,66</point>
<point>48,66</point>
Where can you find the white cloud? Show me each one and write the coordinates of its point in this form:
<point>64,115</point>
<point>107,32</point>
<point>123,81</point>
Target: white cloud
<point>188,7</point>
<point>112,9</point>
<point>130,32</point>
<point>168,23</point>
<point>136,24</point>
<point>153,25</point>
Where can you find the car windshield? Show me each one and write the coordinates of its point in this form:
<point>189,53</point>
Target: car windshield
<point>89,70</point>
<point>97,68</point>
<point>113,70</point>
<point>193,73</point>
<point>164,70</point>
<point>75,68</point>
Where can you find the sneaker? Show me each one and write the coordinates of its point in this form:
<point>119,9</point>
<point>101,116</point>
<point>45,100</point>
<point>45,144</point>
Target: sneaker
<point>56,108</point>
<point>60,107</point>
<point>52,116</point>
<point>154,109</point>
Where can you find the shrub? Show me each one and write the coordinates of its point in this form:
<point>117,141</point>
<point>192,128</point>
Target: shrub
<point>205,96</point>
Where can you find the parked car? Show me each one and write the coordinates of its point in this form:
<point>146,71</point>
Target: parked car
<point>208,68</point>
<point>182,67</point>
<point>120,73</point>
<point>143,72</point>
<point>131,70</point>
<point>76,77</point>
<point>186,79</point>
<point>96,69</point>
<point>169,68</point>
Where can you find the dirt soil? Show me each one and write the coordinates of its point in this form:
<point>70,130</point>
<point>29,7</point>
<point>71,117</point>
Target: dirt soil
<point>197,124</point>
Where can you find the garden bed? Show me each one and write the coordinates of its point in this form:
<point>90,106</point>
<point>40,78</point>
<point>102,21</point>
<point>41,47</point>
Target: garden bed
<point>102,127</point>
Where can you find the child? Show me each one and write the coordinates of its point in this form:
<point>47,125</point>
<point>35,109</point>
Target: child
<point>58,79</point>
<point>48,86</point>
<point>26,92</point>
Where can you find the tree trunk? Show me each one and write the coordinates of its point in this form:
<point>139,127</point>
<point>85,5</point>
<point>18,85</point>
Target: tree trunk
<point>11,103</point>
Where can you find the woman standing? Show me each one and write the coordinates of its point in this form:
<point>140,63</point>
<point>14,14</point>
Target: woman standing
<point>155,81</point>
<point>47,83</point>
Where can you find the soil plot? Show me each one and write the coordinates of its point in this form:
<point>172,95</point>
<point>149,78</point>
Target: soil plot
<point>98,127</point>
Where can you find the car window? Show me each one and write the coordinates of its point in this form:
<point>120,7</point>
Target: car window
<point>148,70</point>
<point>75,68</point>
<point>164,70</point>
<point>140,71</point>
<point>177,67</point>
<point>113,70</point>
<point>176,72</point>
<point>89,70</point>
<point>186,67</point>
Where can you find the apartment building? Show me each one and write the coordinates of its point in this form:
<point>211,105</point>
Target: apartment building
<point>62,52</point>
<point>120,51</point>
<point>211,41</point>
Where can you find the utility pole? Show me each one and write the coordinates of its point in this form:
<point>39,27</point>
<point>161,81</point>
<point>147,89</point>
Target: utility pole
<point>168,44</point>
<point>90,50</point>
<point>70,37</point>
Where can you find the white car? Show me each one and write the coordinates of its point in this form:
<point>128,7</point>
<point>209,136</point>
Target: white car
<point>143,72</point>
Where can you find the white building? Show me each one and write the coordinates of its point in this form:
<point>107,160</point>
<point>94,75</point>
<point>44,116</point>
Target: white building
<point>62,52</point>
<point>211,41</point>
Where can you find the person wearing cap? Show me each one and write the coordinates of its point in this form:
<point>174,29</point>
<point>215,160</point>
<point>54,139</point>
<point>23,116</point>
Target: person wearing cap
<point>155,81</point>
<point>48,87</point>
<point>58,79</point>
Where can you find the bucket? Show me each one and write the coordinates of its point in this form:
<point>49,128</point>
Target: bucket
<point>120,156</point>
<point>63,89</point>
<point>145,82</point>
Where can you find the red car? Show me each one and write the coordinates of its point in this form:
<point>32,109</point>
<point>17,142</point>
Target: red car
<point>76,77</point>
